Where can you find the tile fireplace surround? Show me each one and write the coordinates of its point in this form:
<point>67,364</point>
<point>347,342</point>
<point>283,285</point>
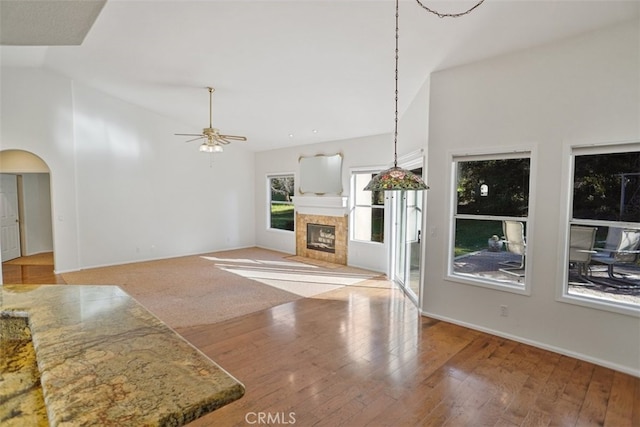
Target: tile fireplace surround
<point>324,211</point>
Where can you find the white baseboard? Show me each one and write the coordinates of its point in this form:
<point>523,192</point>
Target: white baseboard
<point>151,259</point>
<point>37,253</point>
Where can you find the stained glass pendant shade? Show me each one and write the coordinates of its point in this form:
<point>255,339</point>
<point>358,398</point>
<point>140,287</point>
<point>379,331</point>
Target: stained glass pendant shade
<point>396,178</point>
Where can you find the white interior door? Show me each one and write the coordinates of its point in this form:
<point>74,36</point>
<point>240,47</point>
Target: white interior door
<point>9,226</point>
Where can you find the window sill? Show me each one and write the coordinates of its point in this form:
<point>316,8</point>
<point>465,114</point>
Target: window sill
<point>368,242</point>
<point>600,304</point>
<point>278,230</point>
<point>489,284</point>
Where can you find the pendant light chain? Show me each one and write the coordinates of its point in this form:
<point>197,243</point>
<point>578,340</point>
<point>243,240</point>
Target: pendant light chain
<point>396,178</point>
<point>449,15</point>
<point>395,132</point>
<point>440,15</point>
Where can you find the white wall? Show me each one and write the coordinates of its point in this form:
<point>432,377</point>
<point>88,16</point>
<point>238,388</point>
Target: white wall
<point>144,194</point>
<point>413,127</point>
<point>583,90</point>
<point>37,116</point>
<point>374,151</point>
<point>124,188</point>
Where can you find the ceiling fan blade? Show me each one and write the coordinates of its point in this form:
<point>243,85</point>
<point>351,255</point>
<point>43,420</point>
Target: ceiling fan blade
<point>234,137</point>
<point>195,139</point>
<point>211,134</point>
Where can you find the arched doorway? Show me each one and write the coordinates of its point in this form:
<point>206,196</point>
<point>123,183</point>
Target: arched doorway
<point>25,211</point>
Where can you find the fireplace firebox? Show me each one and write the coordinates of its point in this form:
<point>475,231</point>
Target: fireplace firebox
<point>321,237</point>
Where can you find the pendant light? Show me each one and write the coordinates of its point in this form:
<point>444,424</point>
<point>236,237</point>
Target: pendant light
<point>397,178</point>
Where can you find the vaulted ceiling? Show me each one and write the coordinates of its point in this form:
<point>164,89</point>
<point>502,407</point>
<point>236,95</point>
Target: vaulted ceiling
<point>317,70</point>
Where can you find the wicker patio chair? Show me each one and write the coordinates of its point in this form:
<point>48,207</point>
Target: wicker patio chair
<point>515,243</point>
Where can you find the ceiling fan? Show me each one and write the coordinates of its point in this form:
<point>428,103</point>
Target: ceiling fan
<point>214,140</point>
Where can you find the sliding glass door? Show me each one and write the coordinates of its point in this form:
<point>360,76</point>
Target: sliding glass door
<point>406,252</point>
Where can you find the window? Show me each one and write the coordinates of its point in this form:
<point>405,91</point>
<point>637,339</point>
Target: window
<point>367,219</point>
<point>281,214</point>
<point>490,220</point>
<point>604,226</point>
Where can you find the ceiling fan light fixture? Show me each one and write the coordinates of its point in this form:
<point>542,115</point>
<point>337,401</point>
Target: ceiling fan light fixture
<point>213,139</point>
<point>206,147</point>
<point>211,147</point>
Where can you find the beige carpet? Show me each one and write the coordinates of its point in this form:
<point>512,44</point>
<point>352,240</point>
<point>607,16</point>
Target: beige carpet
<point>210,288</point>
<point>315,262</point>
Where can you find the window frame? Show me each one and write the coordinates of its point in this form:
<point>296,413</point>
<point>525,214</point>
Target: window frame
<point>503,153</point>
<point>570,151</point>
<point>269,177</point>
<point>354,205</point>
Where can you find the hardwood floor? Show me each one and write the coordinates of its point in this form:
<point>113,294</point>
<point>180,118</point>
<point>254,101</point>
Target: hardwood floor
<point>29,274</point>
<point>364,356</point>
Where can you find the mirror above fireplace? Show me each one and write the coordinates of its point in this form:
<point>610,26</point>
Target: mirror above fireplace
<point>321,174</point>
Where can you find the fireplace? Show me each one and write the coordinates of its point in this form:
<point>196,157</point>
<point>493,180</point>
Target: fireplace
<point>331,244</point>
<point>321,237</point>
<point>322,229</point>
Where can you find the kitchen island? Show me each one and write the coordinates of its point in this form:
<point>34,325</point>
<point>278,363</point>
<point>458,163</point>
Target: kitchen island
<point>103,359</point>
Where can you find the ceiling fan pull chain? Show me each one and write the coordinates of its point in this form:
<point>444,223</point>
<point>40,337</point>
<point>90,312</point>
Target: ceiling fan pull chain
<point>449,15</point>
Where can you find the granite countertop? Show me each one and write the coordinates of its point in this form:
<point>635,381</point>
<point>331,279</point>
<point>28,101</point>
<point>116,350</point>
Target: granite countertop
<point>103,359</point>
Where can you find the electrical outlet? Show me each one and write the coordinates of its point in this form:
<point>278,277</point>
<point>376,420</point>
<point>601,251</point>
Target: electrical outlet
<point>504,311</point>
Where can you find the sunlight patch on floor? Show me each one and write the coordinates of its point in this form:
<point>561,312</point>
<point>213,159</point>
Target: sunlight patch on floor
<point>259,262</point>
<point>301,283</point>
